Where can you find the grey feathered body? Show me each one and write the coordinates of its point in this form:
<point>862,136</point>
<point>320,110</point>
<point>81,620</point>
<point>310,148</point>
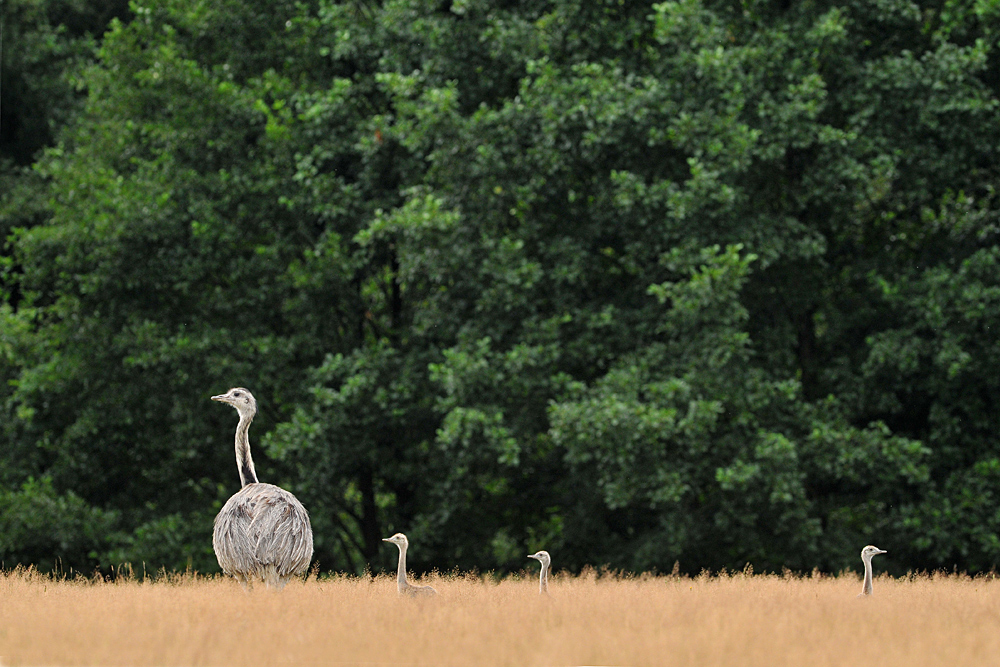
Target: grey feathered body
<point>263,532</point>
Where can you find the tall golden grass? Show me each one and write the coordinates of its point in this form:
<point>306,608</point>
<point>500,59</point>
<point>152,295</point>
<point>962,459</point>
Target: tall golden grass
<point>606,620</point>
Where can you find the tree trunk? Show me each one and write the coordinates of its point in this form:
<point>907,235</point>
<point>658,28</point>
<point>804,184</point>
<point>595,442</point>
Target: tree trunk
<point>370,536</point>
<point>806,350</point>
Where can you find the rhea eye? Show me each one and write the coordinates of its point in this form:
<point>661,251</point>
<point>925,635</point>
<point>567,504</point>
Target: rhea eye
<point>237,394</point>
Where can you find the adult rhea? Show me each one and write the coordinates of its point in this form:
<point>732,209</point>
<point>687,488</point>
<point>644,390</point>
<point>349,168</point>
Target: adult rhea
<point>263,532</point>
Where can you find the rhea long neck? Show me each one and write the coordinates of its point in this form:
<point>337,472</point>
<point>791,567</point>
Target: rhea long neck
<point>401,582</point>
<point>867,589</point>
<point>543,578</point>
<point>244,462</point>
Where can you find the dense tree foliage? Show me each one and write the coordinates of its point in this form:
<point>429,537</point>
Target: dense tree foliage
<point>696,281</point>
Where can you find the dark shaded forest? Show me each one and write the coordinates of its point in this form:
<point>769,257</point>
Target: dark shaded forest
<point>706,282</point>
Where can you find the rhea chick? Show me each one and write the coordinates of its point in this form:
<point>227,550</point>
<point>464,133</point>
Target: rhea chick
<point>866,557</point>
<point>543,577</point>
<point>404,587</point>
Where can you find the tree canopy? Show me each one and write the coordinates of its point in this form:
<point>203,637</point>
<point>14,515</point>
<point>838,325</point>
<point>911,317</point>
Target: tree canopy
<point>695,282</point>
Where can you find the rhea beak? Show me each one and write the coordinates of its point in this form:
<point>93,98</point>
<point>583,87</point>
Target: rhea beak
<point>221,398</point>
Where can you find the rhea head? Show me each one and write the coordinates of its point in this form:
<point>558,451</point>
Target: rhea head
<point>241,399</point>
<point>869,551</point>
<point>542,557</point>
<point>398,539</point>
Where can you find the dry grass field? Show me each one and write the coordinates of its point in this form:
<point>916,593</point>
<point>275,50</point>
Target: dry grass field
<point>586,620</point>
